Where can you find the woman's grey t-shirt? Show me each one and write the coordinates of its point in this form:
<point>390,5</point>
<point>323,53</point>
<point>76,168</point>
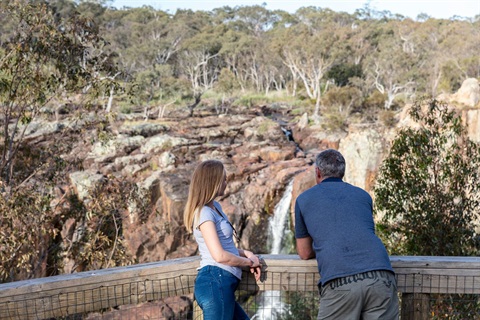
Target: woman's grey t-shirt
<point>225,235</point>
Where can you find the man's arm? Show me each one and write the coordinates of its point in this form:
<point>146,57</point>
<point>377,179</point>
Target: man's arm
<point>305,249</point>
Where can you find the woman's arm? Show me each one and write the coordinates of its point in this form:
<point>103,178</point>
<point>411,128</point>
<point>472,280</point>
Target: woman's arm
<point>209,233</point>
<point>249,254</point>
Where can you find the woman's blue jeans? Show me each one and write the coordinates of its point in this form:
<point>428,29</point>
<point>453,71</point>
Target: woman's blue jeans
<point>215,294</point>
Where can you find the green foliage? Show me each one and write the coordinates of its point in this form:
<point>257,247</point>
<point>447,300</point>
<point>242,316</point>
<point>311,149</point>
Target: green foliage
<point>226,82</point>
<point>342,73</point>
<point>251,100</point>
<point>176,88</point>
<point>302,305</point>
<point>94,241</point>
<point>375,101</point>
<point>428,190</point>
<point>296,305</point>
<point>451,78</point>
<point>339,103</point>
<point>125,108</point>
<point>265,126</point>
<point>346,98</point>
<point>334,120</point>
<point>373,106</point>
<point>454,306</point>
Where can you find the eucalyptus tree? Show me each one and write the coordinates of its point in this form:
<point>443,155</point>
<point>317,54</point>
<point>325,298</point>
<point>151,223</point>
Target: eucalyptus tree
<point>152,41</point>
<point>255,20</point>
<point>93,10</point>
<point>427,193</point>
<point>275,75</point>
<point>120,29</point>
<point>47,56</point>
<point>428,38</point>
<point>352,47</point>
<point>461,47</point>
<point>47,59</point>
<point>314,45</point>
<point>198,60</point>
<point>237,46</point>
<point>63,8</point>
<point>359,41</point>
<point>392,66</point>
<point>237,43</point>
<point>246,49</point>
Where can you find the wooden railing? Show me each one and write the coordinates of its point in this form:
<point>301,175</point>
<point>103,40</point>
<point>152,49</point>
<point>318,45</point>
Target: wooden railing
<point>84,292</point>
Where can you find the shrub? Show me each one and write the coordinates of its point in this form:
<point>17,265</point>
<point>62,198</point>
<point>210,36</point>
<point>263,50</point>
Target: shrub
<point>428,190</point>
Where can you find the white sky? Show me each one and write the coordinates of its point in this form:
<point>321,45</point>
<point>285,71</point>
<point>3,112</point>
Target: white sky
<point>442,9</point>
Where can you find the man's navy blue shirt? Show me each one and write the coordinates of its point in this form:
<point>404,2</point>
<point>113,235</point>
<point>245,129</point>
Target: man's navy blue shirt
<point>339,218</point>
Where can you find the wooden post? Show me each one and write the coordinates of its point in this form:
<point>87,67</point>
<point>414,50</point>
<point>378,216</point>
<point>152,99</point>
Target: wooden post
<point>415,306</point>
<point>197,311</point>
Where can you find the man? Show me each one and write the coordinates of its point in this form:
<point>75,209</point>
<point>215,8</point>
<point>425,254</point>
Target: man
<point>334,224</point>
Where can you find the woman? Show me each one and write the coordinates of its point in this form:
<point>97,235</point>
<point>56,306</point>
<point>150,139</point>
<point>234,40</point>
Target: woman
<point>221,264</point>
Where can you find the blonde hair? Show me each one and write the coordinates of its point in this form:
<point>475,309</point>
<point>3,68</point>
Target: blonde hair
<point>204,186</point>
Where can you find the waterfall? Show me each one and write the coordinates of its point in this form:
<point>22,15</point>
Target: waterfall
<point>278,223</point>
<point>271,304</point>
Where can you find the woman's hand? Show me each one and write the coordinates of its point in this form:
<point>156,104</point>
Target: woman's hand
<point>255,261</point>
<point>256,267</point>
<point>257,272</point>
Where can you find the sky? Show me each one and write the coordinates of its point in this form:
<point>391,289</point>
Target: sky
<point>440,9</point>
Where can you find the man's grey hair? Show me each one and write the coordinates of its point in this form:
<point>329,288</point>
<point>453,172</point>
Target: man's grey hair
<point>331,164</point>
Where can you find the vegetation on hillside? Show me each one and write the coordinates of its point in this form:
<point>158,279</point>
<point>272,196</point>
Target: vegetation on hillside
<point>174,58</point>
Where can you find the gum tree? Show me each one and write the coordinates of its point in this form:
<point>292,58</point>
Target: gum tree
<point>428,189</point>
<point>45,57</point>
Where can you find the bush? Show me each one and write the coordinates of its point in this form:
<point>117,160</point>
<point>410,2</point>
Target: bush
<point>342,73</point>
<point>34,238</point>
<point>251,100</point>
<point>428,190</point>
<point>387,118</point>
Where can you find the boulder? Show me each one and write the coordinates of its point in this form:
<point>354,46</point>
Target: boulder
<point>363,150</point>
<point>84,182</point>
<point>468,94</point>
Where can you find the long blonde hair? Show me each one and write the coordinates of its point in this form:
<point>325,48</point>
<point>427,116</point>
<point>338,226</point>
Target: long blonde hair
<point>206,181</point>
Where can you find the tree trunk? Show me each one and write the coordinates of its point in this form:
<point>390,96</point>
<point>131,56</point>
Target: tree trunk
<point>198,98</point>
<point>110,100</point>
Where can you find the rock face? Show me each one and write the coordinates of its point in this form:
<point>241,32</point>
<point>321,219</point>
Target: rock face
<point>466,101</point>
<point>363,150</point>
<point>468,94</point>
<point>160,158</point>
<point>472,120</point>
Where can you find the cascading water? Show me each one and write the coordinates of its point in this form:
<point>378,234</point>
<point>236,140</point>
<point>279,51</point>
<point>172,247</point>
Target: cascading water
<point>271,305</point>
<point>278,223</point>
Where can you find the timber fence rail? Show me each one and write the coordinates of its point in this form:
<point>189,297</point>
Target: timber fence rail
<point>429,287</point>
